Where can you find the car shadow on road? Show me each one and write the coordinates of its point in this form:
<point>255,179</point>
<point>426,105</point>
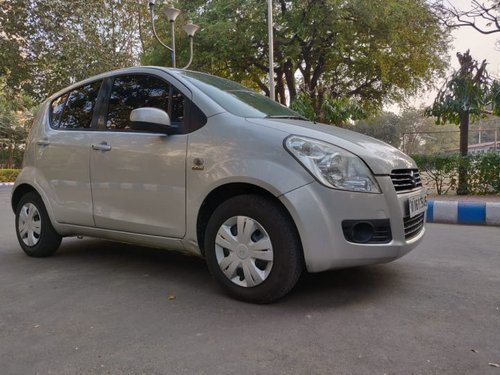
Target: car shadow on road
<point>131,258</point>
<point>327,289</point>
<point>346,286</point>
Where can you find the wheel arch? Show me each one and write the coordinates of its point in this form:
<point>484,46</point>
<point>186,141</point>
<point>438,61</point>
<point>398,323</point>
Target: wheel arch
<point>225,192</point>
<point>18,193</point>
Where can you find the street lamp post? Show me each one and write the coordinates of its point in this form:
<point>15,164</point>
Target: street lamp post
<point>172,14</point>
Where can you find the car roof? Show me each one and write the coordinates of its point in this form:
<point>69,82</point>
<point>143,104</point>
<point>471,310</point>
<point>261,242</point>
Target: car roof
<point>130,70</point>
<point>208,106</point>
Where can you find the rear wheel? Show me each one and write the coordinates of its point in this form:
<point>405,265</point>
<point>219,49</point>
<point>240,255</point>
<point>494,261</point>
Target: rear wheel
<point>252,248</point>
<point>35,232</point>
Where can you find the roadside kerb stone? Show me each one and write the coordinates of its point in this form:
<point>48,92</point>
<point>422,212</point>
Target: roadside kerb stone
<point>492,213</point>
<point>445,212</point>
<point>463,212</point>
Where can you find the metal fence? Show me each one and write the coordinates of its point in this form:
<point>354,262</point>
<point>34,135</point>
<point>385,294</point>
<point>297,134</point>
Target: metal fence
<point>447,142</point>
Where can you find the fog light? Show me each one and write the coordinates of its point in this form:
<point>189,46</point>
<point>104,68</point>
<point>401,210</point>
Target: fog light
<point>362,232</point>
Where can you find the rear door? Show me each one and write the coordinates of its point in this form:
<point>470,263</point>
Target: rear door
<point>138,178</point>
<point>63,153</point>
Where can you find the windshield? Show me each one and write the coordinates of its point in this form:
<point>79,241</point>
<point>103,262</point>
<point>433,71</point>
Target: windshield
<point>237,99</point>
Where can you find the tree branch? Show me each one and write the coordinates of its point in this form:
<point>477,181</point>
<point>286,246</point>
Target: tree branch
<point>358,90</point>
<point>452,17</point>
<point>261,85</point>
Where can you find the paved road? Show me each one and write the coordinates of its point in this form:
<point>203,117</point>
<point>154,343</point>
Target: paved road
<point>101,307</point>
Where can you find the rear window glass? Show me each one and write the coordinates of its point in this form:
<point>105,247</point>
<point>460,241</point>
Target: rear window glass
<point>75,109</point>
<point>57,108</point>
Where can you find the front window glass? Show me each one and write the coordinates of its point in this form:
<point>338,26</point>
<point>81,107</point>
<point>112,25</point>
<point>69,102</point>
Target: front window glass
<point>139,91</point>
<point>79,108</point>
<point>237,99</point>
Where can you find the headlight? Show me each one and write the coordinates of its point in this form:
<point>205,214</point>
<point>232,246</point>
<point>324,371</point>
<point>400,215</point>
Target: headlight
<point>331,165</point>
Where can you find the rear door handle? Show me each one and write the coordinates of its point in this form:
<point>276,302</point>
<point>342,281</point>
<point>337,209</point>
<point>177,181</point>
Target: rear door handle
<point>103,146</point>
<point>43,142</point>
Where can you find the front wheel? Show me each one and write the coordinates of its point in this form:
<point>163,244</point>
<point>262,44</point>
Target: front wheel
<point>252,248</point>
<point>35,232</point>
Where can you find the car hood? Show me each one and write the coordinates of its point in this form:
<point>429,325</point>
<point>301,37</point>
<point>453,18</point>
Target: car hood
<point>379,156</point>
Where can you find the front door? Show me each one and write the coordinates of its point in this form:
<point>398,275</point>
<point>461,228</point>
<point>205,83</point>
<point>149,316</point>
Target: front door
<point>138,179</point>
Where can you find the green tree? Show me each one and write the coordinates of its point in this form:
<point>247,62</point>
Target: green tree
<point>409,131</point>
<point>47,44</point>
<point>336,111</point>
<point>363,53</point>
<point>469,92</point>
<point>15,117</point>
<point>385,126</point>
<point>419,134</point>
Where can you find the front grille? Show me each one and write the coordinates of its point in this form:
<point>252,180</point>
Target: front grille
<point>413,225</point>
<point>382,235</point>
<point>405,179</point>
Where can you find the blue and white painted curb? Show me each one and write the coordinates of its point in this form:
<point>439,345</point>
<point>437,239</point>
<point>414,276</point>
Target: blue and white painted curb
<point>6,183</point>
<point>460,212</point>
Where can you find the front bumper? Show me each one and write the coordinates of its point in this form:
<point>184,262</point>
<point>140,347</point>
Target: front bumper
<point>318,213</point>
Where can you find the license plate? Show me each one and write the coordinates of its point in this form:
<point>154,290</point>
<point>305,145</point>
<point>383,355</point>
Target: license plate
<point>417,204</point>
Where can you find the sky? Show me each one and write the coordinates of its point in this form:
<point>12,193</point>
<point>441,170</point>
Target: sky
<point>481,46</point>
<point>464,38</point>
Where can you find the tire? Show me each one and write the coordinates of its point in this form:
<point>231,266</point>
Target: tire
<point>269,267</point>
<point>35,232</point>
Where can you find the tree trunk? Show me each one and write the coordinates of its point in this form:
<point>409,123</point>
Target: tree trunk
<point>10,159</point>
<point>139,20</point>
<point>280,96</point>
<point>290,80</point>
<point>463,188</point>
<point>464,133</point>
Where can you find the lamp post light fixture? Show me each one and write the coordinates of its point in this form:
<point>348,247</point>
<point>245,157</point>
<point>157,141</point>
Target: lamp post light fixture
<point>172,14</point>
<point>190,28</point>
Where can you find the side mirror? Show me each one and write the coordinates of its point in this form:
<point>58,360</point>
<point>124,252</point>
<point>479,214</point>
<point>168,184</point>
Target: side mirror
<point>151,120</point>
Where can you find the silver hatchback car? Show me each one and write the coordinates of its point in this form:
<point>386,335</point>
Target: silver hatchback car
<point>191,162</point>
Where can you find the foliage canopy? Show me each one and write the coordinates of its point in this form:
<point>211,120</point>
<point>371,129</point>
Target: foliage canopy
<point>469,91</point>
<point>47,44</point>
<point>346,53</point>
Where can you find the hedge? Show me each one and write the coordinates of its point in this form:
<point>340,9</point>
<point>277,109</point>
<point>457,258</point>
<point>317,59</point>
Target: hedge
<point>441,172</point>
<point>8,175</point>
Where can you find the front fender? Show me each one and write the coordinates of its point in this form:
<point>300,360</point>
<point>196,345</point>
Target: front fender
<point>234,152</point>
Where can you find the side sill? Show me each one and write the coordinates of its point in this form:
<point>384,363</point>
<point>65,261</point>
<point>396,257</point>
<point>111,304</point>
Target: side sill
<point>174,244</point>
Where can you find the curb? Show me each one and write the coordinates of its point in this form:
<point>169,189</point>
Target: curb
<point>460,212</point>
<point>6,184</point>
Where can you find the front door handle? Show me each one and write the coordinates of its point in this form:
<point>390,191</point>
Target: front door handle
<point>43,142</point>
<point>103,146</point>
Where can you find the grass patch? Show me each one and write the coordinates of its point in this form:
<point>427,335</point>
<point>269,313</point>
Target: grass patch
<point>8,175</point>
